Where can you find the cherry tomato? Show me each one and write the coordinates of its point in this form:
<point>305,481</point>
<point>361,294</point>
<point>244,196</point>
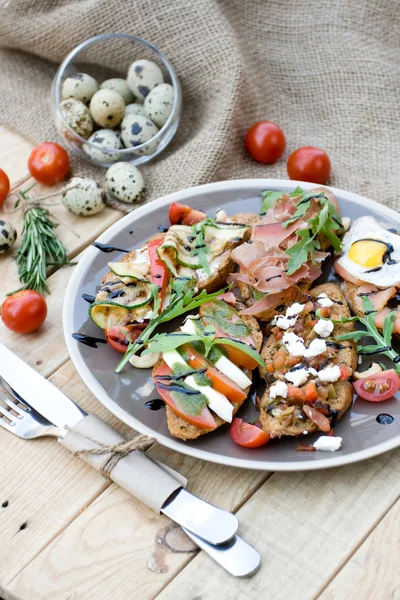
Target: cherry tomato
<point>220,382</point>
<point>317,417</point>
<point>378,387</point>
<point>119,336</point>
<point>309,164</point>
<point>202,418</point>
<point>24,311</point>
<point>265,142</point>
<point>345,372</point>
<point>247,435</point>
<point>180,214</point>
<point>159,272</point>
<point>4,186</point>
<point>48,163</point>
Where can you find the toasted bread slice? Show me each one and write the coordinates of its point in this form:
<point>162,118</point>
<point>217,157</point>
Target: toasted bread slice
<point>350,291</point>
<point>180,428</point>
<point>346,356</point>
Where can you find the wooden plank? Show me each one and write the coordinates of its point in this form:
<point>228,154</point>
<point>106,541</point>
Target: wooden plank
<point>14,154</point>
<point>116,545</point>
<point>305,525</point>
<point>373,571</point>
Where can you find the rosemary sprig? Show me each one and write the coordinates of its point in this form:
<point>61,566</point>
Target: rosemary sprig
<point>40,248</point>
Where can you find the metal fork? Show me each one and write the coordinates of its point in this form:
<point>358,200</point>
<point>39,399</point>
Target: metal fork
<point>21,419</point>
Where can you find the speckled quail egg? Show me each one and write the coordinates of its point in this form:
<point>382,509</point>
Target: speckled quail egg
<point>125,182</point>
<point>135,130</point>
<point>135,109</point>
<point>143,76</point>
<point>107,108</point>
<point>84,197</point>
<point>80,86</point>
<point>158,104</point>
<point>8,235</point>
<point>78,118</point>
<point>120,86</point>
<point>103,138</point>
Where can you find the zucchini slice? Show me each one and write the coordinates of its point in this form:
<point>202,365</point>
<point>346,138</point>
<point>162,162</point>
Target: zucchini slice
<point>108,314</point>
<point>130,269</point>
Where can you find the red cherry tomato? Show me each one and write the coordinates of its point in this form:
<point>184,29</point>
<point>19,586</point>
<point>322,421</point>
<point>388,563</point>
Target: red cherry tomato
<point>4,186</point>
<point>309,164</point>
<point>378,387</point>
<point>48,163</point>
<point>119,336</point>
<point>24,311</point>
<point>180,214</point>
<point>265,141</point>
<point>247,435</point>
<point>159,272</point>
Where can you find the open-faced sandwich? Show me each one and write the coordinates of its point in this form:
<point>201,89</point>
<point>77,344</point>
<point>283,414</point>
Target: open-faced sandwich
<point>301,339</point>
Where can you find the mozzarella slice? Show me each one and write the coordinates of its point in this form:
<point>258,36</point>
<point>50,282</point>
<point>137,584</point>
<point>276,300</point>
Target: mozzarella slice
<point>188,326</point>
<point>216,401</point>
<point>172,357</point>
<point>228,368</point>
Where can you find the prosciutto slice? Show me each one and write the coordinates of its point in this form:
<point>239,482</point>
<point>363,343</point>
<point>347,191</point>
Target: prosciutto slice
<point>380,317</point>
<point>379,298</point>
<point>270,301</point>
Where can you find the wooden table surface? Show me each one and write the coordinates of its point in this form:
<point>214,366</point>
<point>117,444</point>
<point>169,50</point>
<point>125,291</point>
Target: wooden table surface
<point>68,534</point>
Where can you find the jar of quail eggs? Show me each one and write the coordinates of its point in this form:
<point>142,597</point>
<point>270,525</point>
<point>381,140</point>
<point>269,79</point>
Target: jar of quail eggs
<point>115,99</point>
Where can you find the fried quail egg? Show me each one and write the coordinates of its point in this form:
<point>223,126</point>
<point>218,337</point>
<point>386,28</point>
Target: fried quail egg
<point>136,130</point>
<point>143,76</point>
<point>371,253</point>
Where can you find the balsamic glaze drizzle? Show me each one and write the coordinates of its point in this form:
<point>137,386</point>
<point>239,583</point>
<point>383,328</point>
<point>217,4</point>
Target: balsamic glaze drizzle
<point>88,340</point>
<point>89,298</point>
<point>273,277</point>
<point>177,377</point>
<point>178,388</point>
<point>155,404</point>
<point>378,351</point>
<point>106,248</point>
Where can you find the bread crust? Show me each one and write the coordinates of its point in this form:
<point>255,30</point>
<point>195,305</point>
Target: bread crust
<point>346,356</point>
<point>183,430</point>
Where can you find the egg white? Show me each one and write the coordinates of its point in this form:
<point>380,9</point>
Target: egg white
<point>368,227</point>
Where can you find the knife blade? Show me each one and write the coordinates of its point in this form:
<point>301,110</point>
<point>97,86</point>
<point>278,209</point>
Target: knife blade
<point>213,524</point>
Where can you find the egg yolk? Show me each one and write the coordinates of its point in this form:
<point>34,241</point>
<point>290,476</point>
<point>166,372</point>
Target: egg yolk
<point>367,253</point>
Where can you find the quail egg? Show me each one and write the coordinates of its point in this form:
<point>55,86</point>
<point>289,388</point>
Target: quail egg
<point>125,182</point>
<point>120,86</point>
<point>8,235</point>
<point>143,76</point>
<point>104,138</point>
<point>135,109</point>
<point>84,197</point>
<point>107,108</point>
<point>135,130</point>
<point>80,86</point>
<point>158,103</point>
<point>78,118</point>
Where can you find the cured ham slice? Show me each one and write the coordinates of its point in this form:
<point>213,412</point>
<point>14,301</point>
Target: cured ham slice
<point>380,317</point>
<point>379,298</point>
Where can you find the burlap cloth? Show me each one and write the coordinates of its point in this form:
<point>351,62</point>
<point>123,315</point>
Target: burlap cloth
<point>328,71</point>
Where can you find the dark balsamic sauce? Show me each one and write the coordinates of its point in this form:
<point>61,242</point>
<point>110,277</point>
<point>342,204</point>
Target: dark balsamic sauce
<point>106,248</point>
<point>88,340</point>
<point>378,351</point>
<point>178,388</point>
<point>162,229</point>
<point>183,376</point>
<point>384,419</point>
<point>156,404</point>
<point>273,277</point>
<point>88,298</point>
<point>116,294</point>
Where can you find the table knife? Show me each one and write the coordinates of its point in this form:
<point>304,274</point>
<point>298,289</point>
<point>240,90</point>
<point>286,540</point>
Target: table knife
<point>155,484</point>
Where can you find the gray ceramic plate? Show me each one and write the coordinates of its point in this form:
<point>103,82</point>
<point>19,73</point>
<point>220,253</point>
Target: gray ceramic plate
<point>125,394</point>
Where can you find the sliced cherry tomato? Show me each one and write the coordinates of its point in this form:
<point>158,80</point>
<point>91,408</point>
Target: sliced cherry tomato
<point>247,435</point>
<point>316,417</point>
<point>204,419</point>
<point>378,387</point>
<point>181,214</point>
<point>220,382</point>
<point>309,164</point>
<point>265,142</point>
<point>24,311</point>
<point>4,186</point>
<point>310,391</point>
<point>345,372</point>
<point>295,394</point>
<point>48,163</point>
<point>159,272</point>
<point>119,336</point>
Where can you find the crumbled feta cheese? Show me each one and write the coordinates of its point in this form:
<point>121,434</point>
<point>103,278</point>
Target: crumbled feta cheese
<point>324,327</point>
<point>329,374</point>
<point>312,371</point>
<point>297,377</point>
<point>315,348</point>
<point>278,389</point>
<point>328,443</point>
<point>324,301</point>
<point>305,432</point>
<point>294,344</point>
<point>295,309</point>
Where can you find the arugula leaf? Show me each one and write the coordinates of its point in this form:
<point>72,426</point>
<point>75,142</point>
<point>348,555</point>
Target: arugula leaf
<point>241,346</point>
<point>299,252</point>
<point>269,197</point>
<point>165,342</point>
<point>201,249</point>
<point>383,342</point>
<point>297,192</point>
